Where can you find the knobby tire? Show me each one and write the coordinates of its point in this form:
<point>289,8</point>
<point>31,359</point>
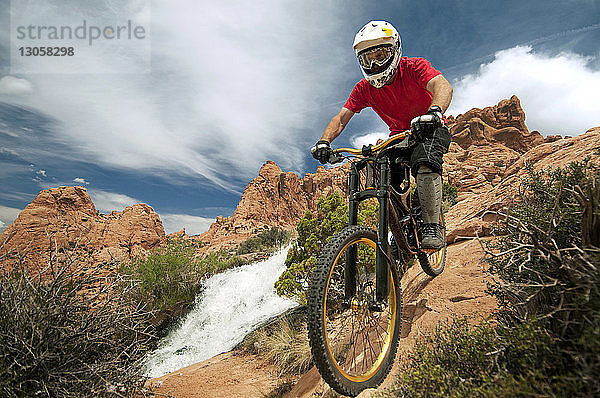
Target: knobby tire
<point>353,346</point>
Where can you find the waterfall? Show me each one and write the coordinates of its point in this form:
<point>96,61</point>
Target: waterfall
<point>231,305</point>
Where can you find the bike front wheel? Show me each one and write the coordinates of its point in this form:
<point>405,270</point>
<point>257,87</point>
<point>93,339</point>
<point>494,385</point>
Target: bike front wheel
<point>353,339</point>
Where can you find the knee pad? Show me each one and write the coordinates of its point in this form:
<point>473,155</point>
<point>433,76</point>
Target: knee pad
<point>429,188</point>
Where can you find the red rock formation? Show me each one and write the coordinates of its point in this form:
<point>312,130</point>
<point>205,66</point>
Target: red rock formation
<point>552,138</point>
<point>65,220</point>
<point>486,142</point>
<point>486,160</point>
<point>471,216</point>
<point>503,123</point>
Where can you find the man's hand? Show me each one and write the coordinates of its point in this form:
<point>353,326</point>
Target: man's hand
<point>423,126</point>
<point>321,151</point>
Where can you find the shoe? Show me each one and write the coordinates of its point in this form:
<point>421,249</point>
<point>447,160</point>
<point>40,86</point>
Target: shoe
<point>433,237</point>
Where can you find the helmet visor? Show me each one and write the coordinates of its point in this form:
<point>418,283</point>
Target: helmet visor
<point>373,59</point>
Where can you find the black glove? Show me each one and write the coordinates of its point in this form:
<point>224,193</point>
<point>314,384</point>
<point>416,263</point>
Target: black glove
<point>422,127</point>
<point>322,151</point>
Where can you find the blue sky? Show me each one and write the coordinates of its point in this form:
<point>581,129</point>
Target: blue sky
<point>233,84</point>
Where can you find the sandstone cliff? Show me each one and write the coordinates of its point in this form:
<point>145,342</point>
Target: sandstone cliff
<point>485,142</point>
<point>64,219</point>
<point>273,198</point>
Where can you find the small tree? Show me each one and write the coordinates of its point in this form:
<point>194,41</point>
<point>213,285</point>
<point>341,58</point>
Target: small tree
<point>313,234</point>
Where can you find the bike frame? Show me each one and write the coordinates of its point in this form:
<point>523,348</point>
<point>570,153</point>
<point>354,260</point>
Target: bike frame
<point>394,213</point>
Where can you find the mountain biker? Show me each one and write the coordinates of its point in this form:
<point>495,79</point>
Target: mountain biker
<point>407,93</point>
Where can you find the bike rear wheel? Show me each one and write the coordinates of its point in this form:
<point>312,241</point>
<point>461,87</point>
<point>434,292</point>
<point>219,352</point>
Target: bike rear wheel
<point>433,262</point>
<point>353,342</point>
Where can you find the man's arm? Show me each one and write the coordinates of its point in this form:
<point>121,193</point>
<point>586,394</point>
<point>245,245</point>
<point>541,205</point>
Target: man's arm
<point>337,124</point>
<point>441,90</point>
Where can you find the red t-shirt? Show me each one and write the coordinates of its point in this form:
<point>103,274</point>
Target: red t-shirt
<point>402,100</point>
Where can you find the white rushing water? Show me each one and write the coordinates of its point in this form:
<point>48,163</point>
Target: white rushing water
<point>231,305</point>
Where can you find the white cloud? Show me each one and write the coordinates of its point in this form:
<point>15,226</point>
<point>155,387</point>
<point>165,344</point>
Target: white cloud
<point>7,216</point>
<point>106,202</point>
<point>558,93</point>
<point>10,85</point>
<point>230,86</point>
<point>370,138</point>
<point>80,180</point>
<point>193,225</point>
<point>41,172</point>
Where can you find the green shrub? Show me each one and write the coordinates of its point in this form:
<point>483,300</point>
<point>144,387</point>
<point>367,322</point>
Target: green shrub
<point>168,277</point>
<point>481,361</point>
<point>283,341</point>
<point>314,231</point>
<point>266,241</point>
<point>217,262</point>
<point>548,206</point>
<point>286,346</point>
<point>172,275</point>
<point>544,271</point>
<point>449,196</point>
<point>68,334</point>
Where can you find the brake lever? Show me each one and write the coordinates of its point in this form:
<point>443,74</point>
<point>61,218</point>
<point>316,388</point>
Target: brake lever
<point>335,158</point>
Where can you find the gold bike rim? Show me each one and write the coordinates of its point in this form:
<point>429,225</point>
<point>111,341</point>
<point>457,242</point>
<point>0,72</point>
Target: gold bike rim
<point>391,323</point>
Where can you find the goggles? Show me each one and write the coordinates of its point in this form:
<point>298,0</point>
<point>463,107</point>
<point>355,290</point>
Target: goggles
<point>375,57</point>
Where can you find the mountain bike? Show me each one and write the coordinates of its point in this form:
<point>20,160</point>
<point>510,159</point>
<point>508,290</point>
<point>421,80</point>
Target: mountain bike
<point>354,296</point>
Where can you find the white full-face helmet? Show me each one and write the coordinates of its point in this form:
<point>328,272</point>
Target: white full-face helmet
<point>378,48</point>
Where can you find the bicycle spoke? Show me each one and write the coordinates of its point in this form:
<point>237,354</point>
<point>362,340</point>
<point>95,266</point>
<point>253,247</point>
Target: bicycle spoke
<point>341,328</point>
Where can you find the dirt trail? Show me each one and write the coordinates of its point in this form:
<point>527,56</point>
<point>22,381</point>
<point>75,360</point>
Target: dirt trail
<point>231,374</point>
<point>459,291</point>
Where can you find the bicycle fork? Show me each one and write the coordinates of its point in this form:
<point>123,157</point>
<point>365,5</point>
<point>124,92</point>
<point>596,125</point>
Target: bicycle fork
<point>381,257</point>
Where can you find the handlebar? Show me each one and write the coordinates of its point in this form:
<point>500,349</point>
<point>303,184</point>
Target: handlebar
<point>367,150</point>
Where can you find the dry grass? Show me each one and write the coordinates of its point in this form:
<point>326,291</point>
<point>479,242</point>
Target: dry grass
<point>285,345</point>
